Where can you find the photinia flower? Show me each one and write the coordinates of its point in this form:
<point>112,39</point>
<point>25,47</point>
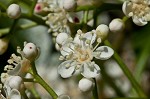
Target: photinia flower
<point>139,10</point>
<point>79,52</point>
<point>19,65</point>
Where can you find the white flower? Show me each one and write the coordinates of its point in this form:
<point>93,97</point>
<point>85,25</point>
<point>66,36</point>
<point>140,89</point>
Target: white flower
<point>116,25</point>
<point>56,18</point>
<point>78,54</point>
<point>86,85</point>
<point>20,65</point>
<point>14,11</point>
<point>139,10</point>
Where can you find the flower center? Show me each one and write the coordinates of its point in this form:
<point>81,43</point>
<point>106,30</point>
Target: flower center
<point>83,55</point>
<point>140,9</point>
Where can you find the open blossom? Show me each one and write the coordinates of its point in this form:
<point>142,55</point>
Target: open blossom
<point>56,17</point>
<point>139,10</point>
<point>56,14</point>
<point>79,52</point>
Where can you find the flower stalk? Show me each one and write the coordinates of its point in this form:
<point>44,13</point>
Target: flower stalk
<point>40,80</point>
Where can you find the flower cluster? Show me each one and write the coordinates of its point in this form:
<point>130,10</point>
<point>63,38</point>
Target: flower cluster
<point>79,52</point>
<point>56,14</point>
<point>17,68</point>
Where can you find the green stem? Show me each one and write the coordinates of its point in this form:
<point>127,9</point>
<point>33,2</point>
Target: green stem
<point>28,80</point>
<point>24,26</point>
<point>85,18</point>
<point>100,8</point>
<point>33,6</point>
<point>34,18</point>
<point>35,93</point>
<point>142,63</point>
<point>124,19</point>
<point>95,90</point>
<point>13,27</point>
<point>39,80</point>
<point>95,18</point>
<point>126,71</point>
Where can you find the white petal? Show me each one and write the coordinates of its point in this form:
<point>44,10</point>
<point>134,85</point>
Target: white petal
<point>103,52</point>
<point>7,89</point>
<point>64,71</point>
<point>76,39</point>
<point>90,70</point>
<point>126,8</point>
<point>139,21</point>
<point>90,36</point>
<point>16,70</point>
<point>65,50</point>
<point>15,82</point>
<point>61,37</point>
<point>15,94</point>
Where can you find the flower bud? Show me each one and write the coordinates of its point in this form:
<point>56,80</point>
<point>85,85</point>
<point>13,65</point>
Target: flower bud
<point>39,7</point>
<point>15,82</point>
<point>61,37</point>
<point>86,85</point>
<point>3,45</point>
<point>30,51</point>
<point>116,25</point>
<point>14,11</point>
<point>102,31</point>
<point>70,5</point>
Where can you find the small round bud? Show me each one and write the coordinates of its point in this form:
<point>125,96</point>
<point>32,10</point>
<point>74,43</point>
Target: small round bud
<point>63,97</point>
<point>3,45</point>
<point>116,25</point>
<point>39,7</point>
<point>86,85</point>
<point>102,31</point>
<point>70,5</point>
<point>14,11</point>
<point>30,51</point>
<point>61,37</point>
<point>15,82</point>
